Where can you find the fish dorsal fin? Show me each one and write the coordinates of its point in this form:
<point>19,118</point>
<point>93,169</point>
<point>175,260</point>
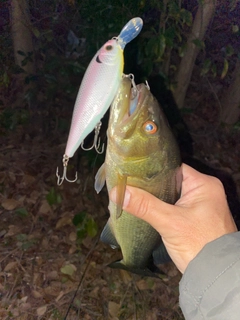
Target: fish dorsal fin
<point>108,237</point>
<point>100,178</point>
<point>121,188</point>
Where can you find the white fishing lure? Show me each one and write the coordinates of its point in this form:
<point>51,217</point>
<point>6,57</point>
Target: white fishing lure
<point>97,91</point>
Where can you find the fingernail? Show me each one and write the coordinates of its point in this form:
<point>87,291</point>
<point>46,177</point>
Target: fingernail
<point>113,197</point>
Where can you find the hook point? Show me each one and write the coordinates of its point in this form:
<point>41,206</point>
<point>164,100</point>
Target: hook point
<point>64,175</point>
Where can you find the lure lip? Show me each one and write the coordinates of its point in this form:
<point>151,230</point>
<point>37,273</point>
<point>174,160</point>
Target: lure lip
<point>130,31</point>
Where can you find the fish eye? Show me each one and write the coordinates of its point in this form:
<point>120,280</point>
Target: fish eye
<point>150,127</point>
<point>109,47</point>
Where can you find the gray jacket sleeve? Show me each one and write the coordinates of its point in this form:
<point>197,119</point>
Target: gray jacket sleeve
<point>210,286</point>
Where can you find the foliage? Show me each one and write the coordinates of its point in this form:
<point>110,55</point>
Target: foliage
<point>167,28</point>
<point>24,242</point>
<point>69,33</point>
<point>53,197</point>
<point>85,225</point>
<point>22,212</point>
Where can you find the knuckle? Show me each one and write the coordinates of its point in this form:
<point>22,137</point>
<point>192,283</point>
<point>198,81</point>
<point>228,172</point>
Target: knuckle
<point>142,207</point>
<point>217,185</point>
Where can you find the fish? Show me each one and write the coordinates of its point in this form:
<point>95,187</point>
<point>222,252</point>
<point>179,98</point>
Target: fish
<point>141,152</point>
<point>97,90</point>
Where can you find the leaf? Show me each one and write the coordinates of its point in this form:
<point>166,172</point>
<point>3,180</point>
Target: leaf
<point>22,212</point>
<point>21,53</point>
<point>113,308</point>
<point>53,197</point>
<point>142,285</point>
<point>45,208</point>
<point>49,35</point>
<point>68,269</point>
<point>10,204</point>
<point>6,79</point>
<point>229,50</point>
<point>61,294</point>
<point>25,306</point>
<point>72,236</point>
<point>81,233</point>
<point>225,69</point>
<point>182,50</point>
<point>10,266</point>
<point>63,222</point>
<point>161,46</point>
<point>198,43</point>
<point>41,310</point>
<point>52,275</point>
<point>92,227</point>
<point>206,67</point>
<point>36,32</point>
<point>79,218</point>
<point>170,34</point>
<point>235,28</point>
<point>125,276</point>
<point>36,294</point>
<point>186,17</point>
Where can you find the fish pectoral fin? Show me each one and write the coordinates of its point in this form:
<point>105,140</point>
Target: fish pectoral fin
<point>108,237</point>
<point>121,188</point>
<point>100,178</point>
<point>160,255</point>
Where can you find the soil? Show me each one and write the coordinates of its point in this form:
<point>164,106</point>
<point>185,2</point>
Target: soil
<point>46,271</point>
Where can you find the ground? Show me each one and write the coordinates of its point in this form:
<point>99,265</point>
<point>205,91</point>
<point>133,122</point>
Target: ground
<point>46,271</point>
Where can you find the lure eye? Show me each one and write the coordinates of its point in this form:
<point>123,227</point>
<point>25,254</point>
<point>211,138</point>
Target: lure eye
<point>150,127</point>
<point>109,47</point>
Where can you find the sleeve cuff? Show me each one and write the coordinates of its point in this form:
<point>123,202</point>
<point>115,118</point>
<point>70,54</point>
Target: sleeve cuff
<point>211,283</point>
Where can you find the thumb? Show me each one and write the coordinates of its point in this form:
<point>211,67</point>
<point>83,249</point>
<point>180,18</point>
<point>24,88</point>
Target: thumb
<point>145,206</point>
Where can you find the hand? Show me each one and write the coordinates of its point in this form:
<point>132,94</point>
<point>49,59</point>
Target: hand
<point>200,216</point>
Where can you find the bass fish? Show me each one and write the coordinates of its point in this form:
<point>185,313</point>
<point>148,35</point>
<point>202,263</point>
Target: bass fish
<point>141,152</point>
<point>96,93</point>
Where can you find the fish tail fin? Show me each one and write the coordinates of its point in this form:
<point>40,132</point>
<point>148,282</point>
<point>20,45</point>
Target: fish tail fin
<point>150,271</point>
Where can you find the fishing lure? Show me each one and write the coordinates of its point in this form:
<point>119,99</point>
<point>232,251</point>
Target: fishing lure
<point>96,93</point>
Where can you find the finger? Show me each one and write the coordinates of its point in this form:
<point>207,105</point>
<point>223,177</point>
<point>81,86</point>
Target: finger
<point>145,206</point>
<point>196,184</point>
<point>191,178</point>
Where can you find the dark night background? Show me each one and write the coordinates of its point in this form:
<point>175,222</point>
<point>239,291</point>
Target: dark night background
<point>51,264</point>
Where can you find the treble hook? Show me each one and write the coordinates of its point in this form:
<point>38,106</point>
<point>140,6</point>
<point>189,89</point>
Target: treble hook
<point>147,85</point>
<point>96,140</point>
<point>64,176</point>
<point>135,89</point>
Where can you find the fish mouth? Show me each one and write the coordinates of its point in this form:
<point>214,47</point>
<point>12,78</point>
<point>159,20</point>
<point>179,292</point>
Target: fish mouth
<point>132,98</point>
<point>129,108</point>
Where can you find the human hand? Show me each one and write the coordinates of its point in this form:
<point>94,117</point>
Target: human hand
<point>200,216</point>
